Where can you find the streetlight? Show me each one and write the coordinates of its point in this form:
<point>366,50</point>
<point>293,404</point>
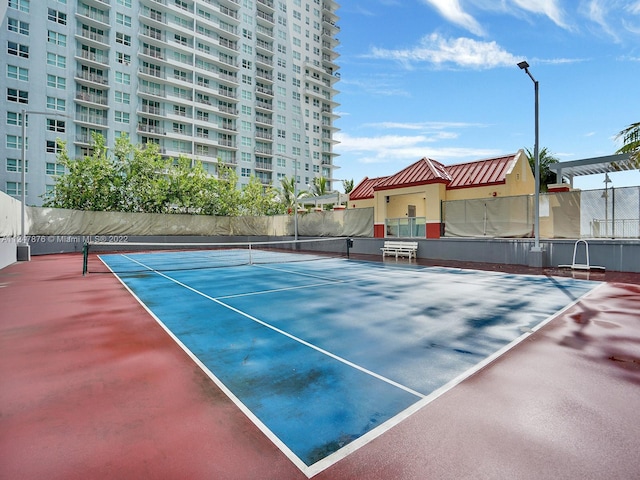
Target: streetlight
<point>536,226</point>
<point>24,250</point>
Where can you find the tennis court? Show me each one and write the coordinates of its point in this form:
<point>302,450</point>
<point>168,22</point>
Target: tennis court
<point>326,354</point>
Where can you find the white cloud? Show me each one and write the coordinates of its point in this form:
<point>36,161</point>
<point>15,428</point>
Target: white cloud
<point>634,8</point>
<point>403,149</point>
<point>550,8</point>
<point>461,52</point>
<point>452,11</point>
<point>597,12</point>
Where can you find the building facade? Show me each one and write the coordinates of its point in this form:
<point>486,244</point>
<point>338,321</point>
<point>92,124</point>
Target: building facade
<point>249,84</point>
<point>409,203</point>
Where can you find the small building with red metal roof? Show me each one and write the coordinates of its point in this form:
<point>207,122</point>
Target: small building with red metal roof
<point>411,199</point>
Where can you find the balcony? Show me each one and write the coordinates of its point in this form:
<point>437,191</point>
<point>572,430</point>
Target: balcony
<point>92,77</point>
<point>91,98</point>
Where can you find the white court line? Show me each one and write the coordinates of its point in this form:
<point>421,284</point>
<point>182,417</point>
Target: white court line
<point>282,332</point>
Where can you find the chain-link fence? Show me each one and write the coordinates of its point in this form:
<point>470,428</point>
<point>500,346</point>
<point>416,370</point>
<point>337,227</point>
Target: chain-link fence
<point>605,213</point>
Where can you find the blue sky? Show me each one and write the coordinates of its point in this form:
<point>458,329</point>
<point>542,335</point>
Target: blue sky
<point>438,78</point>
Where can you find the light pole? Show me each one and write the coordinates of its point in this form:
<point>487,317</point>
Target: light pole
<point>24,251</point>
<point>536,226</point>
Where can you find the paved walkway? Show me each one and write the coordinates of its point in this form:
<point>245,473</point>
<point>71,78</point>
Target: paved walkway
<point>92,388</point>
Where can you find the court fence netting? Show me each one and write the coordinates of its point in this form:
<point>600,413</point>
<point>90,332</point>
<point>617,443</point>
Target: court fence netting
<point>133,257</point>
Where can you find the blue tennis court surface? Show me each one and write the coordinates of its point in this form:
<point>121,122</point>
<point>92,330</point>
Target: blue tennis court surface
<point>327,353</point>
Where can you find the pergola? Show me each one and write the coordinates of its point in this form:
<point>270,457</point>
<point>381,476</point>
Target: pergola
<point>592,166</point>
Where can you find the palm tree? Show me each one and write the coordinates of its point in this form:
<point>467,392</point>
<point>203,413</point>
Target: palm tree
<point>631,139</point>
<point>287,194</point>
<point>319,186</point>
<point>545,158</point>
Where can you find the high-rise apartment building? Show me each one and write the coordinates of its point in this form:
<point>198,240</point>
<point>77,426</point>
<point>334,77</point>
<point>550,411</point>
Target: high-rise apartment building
<point>249,84</point>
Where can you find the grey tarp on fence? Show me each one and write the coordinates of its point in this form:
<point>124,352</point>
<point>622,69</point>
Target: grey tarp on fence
<point>490,217</point>
<point>611,213</point>
<point>55,221</point>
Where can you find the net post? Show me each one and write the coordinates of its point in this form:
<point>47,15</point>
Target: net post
<point>250,256</point>
<point>349,245</point>
<point>85,258</point>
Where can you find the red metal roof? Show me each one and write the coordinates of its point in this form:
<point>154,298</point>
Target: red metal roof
<point>491,171</point>
<point>365,188</point>
<point>421,172</point>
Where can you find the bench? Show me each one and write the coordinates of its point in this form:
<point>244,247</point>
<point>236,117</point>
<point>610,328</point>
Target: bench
<point>402,249</point>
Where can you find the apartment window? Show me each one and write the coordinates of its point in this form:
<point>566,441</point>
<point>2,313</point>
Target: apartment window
<point>245,172</point>
<point>15,165</point>
<point>123,58</point>
<point>54,103</point>
<point>246,110</point>
<point>14,142</point>
<point>56,16</point>
<point>53,147</point>
<point>18,73</point>
<point>19,96</point>
<point>202,132</point>
<point>14,118</point>
<point>247,79</point>
<point>122,97</point>
<point>18,49</point>
<point>247,95</point>
<point>122,19</point>
<point>203,150</point>
<point>52,168</point>
<point>246,141</point>
<point>281,162</point>
<point>121,117</point>
<point>18,26</point>
<point>21,5</point>
<point>181,57</point>
<point>56,82</point>
<point>56,60</point>
<point>180,39</point>
<point>123,39</point>
<point>178,110</point>
<point>123,78</point>
<point>15,189</point>
<point>247,64</point>
<point>54,125</point>
<point>57,38</point>
<point>124,3</point>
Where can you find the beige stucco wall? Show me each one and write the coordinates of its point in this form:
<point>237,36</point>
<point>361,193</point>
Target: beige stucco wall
<point>426,199</point>
<point>364,203</point>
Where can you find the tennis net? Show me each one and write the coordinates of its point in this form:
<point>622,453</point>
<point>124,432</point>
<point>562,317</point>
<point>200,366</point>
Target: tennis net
<point>132,257</point>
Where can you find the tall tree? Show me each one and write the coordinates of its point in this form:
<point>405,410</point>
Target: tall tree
<point>319,186</point>
<point>287,194</point>
<point>631,142</point>
<point>347,185</point>
<point>546,158</point>
<point>258,199</point>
